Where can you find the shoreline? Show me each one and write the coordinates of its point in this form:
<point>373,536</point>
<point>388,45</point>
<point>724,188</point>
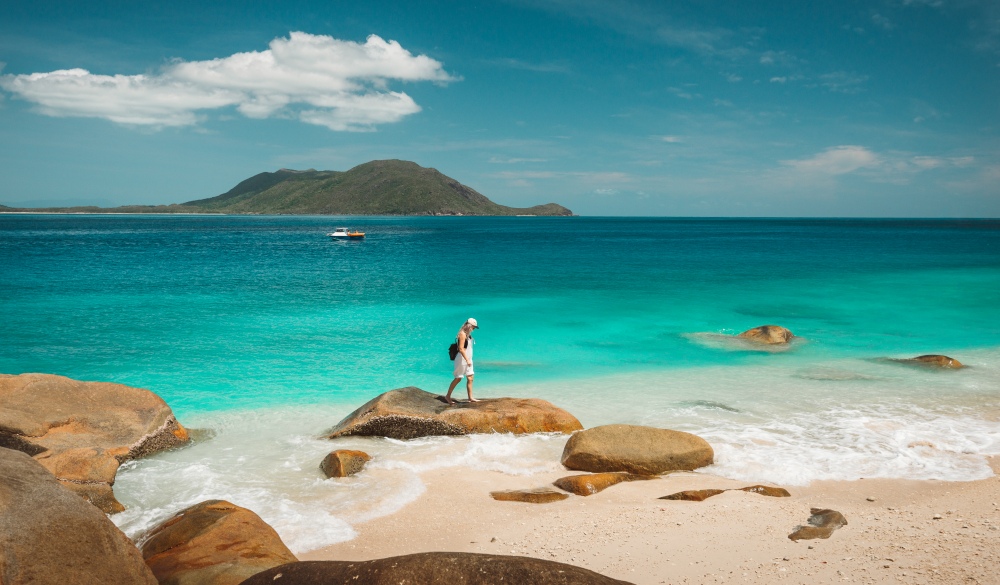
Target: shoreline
<point>627,533</point>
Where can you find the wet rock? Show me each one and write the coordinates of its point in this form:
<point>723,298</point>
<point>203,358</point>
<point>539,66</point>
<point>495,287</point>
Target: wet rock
<point>590,484</point>
<point>702,495</point>
<point>213,543</point>
<point>693,495</point>
<point>635,449</point>
<point>82,431</point>
<point>822,523</point>
<point>344,462</point>
<point>532,496</point>
<point>408,413</point>
<point>436,567</point>
<point>768,334</point>
<point>48,534</point>
<point>933,361</point>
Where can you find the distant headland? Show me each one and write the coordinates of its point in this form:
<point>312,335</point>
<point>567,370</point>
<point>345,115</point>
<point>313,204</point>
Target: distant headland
<point>380,187</point>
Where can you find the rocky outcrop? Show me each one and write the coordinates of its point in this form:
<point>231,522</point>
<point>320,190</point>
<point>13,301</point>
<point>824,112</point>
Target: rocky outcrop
<point>702,495</point>
<point>344,462</point>
<point>82,431</point>
<point>635,449</point>
<point>49,535</point>
<point>768,334</point>
<point>213,543</point>
<point>435,567</point>
<point>933,361</point>
<point>532,496</point>
<point>408,413</point>
<point>590,484</point>
<point>822,523</point>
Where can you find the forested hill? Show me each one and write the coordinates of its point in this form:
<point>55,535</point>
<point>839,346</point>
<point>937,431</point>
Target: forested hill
<point>382,187</point>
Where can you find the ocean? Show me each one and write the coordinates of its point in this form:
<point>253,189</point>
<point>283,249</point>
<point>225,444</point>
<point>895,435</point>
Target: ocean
<point>263,333</point>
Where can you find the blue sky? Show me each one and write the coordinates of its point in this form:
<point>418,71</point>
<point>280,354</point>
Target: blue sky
<point>710,108</point>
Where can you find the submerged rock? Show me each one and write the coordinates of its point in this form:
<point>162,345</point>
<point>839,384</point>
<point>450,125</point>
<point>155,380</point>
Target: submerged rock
<point>532,496</point>
<point>702,495</point>
<point>822,523</point>
<point>933,361</point>
<point>590,484</point>
<point>769,334</point>
<point>344,462</point>
<point>453,568</point>
<point>82,431</point>
<point>213,543</point>
<point>408,413</point>
<point>48,534</point>
<point>636,449</point>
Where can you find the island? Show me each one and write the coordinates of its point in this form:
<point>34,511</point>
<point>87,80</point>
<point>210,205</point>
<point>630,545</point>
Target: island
<point>380,187</point>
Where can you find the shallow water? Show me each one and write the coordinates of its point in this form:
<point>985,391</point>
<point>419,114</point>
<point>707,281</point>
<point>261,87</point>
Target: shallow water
<point>266,332</point>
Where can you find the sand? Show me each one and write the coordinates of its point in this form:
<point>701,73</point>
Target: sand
<point>626,532</point>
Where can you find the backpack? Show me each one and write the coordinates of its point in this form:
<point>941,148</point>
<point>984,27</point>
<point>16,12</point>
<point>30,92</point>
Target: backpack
<point>453,348</point>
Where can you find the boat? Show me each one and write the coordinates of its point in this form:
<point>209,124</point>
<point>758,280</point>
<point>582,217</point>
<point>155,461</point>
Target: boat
<point>343,233</point>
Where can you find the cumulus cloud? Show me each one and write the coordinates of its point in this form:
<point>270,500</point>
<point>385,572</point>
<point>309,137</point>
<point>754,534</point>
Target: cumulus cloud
<point>342,85</point>
<point>838,160</point>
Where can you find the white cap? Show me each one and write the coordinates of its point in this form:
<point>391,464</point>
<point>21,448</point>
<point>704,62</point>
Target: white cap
<point>473,322</point>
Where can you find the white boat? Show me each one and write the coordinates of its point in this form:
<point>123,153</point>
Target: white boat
<point>343,233</point>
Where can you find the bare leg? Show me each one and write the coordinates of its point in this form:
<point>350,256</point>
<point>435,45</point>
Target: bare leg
<point>468,386</point>
<point>451,389</point>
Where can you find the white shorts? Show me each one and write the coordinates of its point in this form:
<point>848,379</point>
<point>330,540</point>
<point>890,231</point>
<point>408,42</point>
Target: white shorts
<point>462,368</point>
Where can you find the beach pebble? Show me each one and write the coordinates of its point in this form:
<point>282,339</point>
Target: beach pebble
<point>937,516</point>
<point>870,499</point>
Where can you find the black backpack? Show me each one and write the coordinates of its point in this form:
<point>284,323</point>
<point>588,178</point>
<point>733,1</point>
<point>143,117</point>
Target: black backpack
<point>453,348</point>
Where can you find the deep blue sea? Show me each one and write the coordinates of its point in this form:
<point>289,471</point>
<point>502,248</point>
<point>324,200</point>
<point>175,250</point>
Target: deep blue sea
<point>266,331</point>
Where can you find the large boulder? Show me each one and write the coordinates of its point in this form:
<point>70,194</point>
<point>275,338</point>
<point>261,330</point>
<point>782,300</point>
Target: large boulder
<point>635,449</point>
<point>530,496</point>
<point>768,334</point>
<point>434,567</point>
<point>408,413</point>
<point>213,543</point>
<point>82,431</point>
<point>48,534</point>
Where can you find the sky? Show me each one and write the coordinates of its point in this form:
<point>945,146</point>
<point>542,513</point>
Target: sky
<point>884,108</point>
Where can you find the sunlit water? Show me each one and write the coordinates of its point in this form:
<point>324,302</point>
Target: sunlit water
<point>267,333</point>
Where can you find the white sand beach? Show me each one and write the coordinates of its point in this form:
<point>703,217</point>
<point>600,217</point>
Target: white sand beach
<point>626,532</point>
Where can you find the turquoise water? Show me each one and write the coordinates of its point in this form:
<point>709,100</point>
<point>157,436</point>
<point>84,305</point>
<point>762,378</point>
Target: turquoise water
<point>267,332</point>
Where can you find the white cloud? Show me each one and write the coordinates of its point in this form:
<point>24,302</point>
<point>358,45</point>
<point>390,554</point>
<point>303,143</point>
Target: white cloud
<point>319,79</point>
<point>672,139</point>
<point>779,79</point>
<point>838,160</point>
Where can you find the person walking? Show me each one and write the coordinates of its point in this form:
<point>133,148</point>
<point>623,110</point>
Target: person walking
<point>463,360</point>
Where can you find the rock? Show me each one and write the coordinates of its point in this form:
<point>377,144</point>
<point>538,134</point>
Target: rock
<point>588,485</point>
<point>48,534</point>
<point>822,523</point>
<point>344,462</point>
<point>532,496</point>
<point>453,568</point>
<point>693,495</point>
<point>702,495</point>
<point>769,334</point>
<point>766,490</point>
<point>408,413</point>
<point>934,361</point>
<point>213,543</point>
<point>635,449</point>
<point>82,431</point>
